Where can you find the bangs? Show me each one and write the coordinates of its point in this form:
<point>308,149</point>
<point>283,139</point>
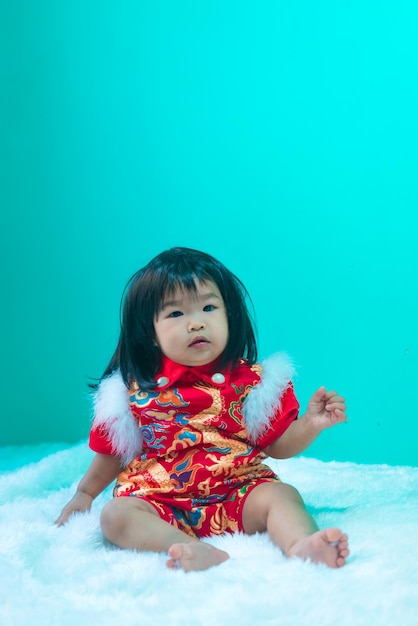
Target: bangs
<point>167,289</point>
<point>181,272</point>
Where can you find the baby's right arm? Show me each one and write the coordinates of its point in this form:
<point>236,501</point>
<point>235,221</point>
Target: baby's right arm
<point>102,471</point>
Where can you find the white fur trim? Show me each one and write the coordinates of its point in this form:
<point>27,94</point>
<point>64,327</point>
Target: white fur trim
<point>265,399</point>
<point>111,410</point>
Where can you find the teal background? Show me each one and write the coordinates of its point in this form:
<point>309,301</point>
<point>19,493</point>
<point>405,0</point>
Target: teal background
<point>280,137</point>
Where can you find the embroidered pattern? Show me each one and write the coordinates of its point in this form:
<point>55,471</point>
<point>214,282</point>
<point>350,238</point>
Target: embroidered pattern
<point>198,466</point>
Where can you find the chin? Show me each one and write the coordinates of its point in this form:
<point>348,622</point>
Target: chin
<point>199,362</point>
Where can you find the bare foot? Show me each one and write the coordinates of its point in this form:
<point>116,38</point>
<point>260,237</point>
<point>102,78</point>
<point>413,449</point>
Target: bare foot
<point>195,556</point>
<point>329,546</point>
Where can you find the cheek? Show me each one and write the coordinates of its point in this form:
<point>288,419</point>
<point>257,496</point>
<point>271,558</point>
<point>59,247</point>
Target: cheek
<point>157,335</point>
<point>165,333</point>
<point>226,329</point>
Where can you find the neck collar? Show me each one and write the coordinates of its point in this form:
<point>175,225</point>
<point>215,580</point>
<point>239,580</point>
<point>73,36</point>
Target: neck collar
<point>172,372</point>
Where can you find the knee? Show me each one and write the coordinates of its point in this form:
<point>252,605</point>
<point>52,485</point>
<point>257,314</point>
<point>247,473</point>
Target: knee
<point>289,493</point>
<point>265,501</point>
<point>111,519</point>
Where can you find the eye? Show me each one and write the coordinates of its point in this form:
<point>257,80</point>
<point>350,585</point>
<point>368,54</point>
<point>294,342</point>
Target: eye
<point>209,307</point>
<point>175,314</point>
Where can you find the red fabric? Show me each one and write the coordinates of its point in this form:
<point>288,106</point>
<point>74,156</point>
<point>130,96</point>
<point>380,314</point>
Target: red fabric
<point>196,449</point>
<point>288,413</point>
<point>99,441</point>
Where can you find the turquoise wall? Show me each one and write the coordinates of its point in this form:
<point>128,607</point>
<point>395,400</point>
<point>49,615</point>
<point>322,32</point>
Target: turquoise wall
<point>280,137</point>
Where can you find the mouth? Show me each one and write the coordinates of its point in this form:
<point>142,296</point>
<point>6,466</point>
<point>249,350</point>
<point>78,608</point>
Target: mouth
<point>199,341</point>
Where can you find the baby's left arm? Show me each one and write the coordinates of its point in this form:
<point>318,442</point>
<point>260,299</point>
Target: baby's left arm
<point>325,409</point>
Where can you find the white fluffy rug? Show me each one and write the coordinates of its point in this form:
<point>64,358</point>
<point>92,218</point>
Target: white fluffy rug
<point>69,576</point>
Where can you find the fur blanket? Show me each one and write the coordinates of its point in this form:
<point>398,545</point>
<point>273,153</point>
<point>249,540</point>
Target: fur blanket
<point>70,577</point>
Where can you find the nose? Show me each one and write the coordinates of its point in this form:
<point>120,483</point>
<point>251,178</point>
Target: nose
<point>194,324</point>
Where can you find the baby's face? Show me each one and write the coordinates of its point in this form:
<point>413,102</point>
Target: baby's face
<point>192,328</point>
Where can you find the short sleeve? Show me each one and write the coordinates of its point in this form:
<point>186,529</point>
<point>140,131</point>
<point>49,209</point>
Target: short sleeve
<point>99,441</point>
<point>281,420</point>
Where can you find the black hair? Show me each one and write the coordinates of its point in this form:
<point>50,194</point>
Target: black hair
<point>137,355</point>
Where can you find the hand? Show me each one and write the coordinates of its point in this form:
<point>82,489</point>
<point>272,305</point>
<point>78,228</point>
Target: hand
<point>80,503</point>
<point>325,409</point>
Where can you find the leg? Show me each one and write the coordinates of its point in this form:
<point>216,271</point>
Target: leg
<point>134,524</point>
<point>279,509</point>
